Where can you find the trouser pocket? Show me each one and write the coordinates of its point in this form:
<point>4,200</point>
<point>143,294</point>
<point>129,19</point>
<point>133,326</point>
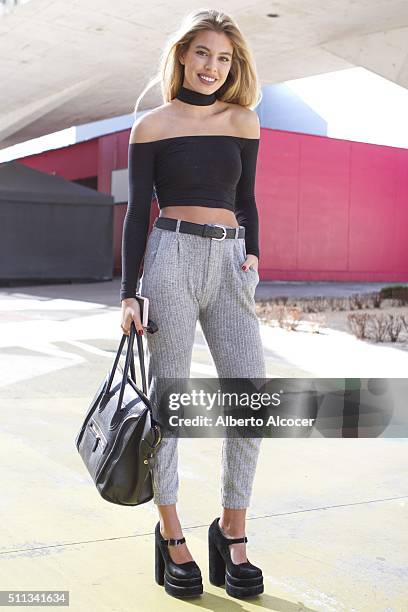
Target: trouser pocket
<point>153,250</point>
<point>251,274</point>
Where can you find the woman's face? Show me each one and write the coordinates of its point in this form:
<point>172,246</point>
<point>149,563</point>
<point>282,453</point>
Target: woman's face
<point>209,54</point>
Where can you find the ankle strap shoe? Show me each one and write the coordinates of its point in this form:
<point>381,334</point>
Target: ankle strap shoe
<point>173,541</point>
<point>242,580</point>
<point>179,579</point>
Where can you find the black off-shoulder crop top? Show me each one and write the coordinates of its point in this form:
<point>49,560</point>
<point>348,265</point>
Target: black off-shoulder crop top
<point>217,171</point>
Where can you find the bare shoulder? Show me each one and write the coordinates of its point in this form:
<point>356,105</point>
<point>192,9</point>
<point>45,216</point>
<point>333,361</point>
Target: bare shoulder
<point>147,127</point>
<point>246,121</point>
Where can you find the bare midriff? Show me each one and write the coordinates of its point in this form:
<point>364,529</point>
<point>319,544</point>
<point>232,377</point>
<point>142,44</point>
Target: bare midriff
<point>200,214</point>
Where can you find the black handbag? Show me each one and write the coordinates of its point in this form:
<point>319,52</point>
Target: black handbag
<point>119,436</point>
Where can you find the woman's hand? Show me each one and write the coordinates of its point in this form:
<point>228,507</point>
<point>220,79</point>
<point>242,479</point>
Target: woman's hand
<point>250,262</point>
<point>131,312</point>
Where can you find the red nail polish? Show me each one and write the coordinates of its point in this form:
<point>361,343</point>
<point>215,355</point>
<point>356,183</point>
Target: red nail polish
<point>243,267</point>
<point>140,332</point>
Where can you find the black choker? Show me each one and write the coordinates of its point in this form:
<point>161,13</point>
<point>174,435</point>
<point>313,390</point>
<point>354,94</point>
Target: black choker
<point>195,97</point>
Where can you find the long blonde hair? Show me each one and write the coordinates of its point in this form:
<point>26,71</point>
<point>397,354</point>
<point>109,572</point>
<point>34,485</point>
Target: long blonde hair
<point>242,84</point>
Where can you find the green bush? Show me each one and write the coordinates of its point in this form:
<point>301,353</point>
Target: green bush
<point>395,292</point>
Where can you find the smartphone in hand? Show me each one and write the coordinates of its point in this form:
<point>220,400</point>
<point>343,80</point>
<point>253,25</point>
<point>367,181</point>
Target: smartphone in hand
<point>144,309</point>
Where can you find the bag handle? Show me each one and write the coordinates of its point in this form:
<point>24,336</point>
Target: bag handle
<point>129,361</point>
<point>151,328</point>
<point>132,365</point>
<point>140,352</point>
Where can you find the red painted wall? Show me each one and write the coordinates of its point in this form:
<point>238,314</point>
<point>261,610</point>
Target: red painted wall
<point>72,162</point>
<point>329,209</point>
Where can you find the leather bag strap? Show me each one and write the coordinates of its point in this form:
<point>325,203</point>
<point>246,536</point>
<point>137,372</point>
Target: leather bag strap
<point>140,352</point>
<point>129,361</point>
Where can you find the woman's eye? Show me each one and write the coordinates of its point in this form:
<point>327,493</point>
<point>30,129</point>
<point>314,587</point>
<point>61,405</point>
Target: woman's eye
<point>224,58</point>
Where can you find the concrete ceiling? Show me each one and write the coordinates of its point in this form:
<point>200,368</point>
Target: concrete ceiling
<point>67,63</point>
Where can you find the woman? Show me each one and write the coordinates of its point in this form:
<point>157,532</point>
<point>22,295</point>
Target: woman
<point>199,149</point>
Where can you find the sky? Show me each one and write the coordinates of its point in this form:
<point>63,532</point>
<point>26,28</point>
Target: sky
<point>356,104</point>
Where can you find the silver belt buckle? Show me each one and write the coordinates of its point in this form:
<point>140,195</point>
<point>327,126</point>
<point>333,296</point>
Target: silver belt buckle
<point>224,228</point>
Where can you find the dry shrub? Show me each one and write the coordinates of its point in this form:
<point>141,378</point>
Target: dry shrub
<point>292,318</point>
<point>285,317</point>
<point>395,324</point>
<point>358,323</point>
<point>378,327</point>
<point>362,301</point>
<point>320,303</point>
<point>314,304</point>
<point>287,312</point>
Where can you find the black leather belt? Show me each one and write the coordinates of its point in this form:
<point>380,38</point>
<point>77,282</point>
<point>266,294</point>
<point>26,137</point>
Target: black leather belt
<point>207,230</point>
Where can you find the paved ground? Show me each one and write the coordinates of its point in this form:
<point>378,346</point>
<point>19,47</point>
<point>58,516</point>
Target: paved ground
<point>328,518</point>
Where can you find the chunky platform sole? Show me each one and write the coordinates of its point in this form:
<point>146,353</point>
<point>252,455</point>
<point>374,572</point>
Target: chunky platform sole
<point>243,587</point>
<point>177,587</point>
<point>235,587</point>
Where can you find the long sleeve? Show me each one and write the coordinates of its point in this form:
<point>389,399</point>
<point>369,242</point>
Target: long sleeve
<point>136,223</point>
<point>246,211</point>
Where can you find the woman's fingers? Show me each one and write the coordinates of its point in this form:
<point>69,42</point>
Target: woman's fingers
<point>250,262</point>
<point>124,329</point>
<point>131,314</point>
<point>138,325</point>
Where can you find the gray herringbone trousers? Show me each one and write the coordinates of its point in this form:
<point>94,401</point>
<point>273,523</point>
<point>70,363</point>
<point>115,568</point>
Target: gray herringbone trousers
<point>188,277</point>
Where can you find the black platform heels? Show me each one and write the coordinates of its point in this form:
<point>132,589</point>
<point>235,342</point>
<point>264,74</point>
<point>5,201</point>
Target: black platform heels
<point>179,579</point>
<point>242,579</point>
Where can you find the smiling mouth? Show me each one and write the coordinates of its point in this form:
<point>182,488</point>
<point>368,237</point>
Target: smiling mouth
<point>206,79</point>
